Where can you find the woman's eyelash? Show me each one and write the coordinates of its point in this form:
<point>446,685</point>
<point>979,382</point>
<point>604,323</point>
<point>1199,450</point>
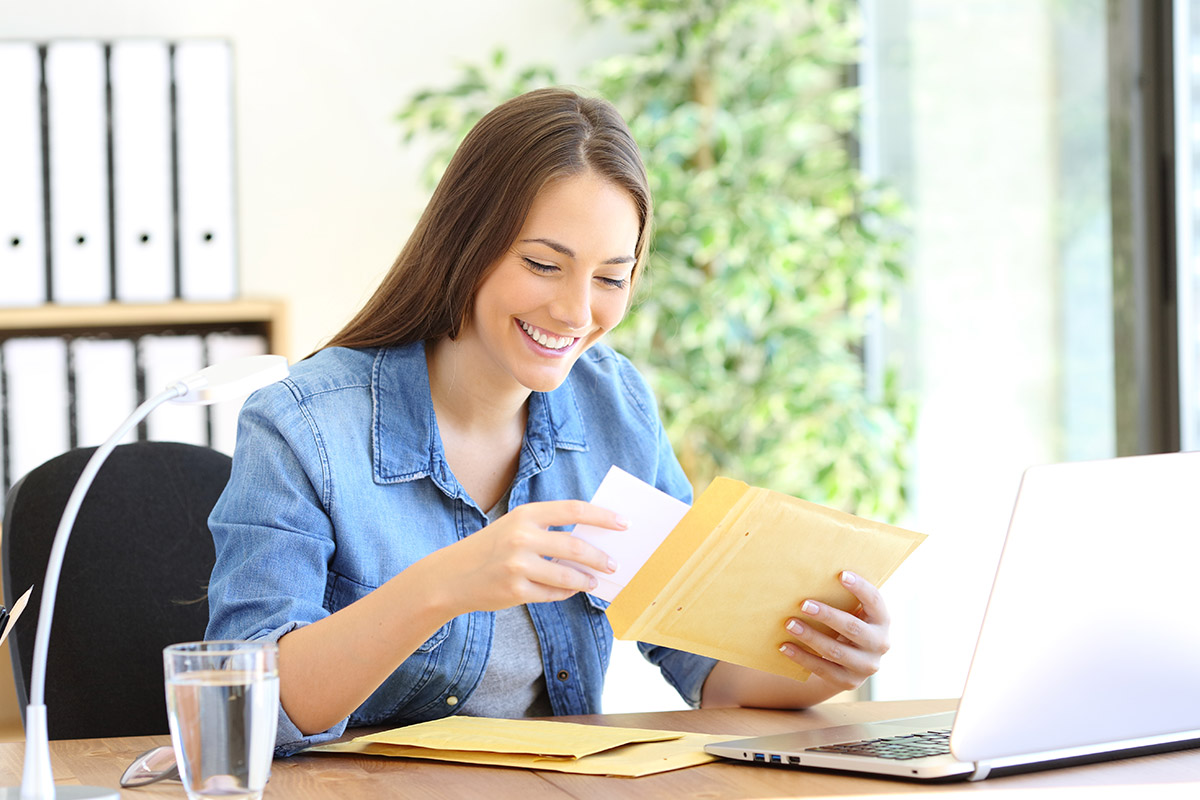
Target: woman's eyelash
<point>546,269</point>
<point>538,266</point>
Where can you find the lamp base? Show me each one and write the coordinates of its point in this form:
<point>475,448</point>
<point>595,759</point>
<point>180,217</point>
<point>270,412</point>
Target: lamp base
<point>67,793</point>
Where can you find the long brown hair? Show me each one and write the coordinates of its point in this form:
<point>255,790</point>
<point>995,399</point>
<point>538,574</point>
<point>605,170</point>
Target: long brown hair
<point>481,202</point>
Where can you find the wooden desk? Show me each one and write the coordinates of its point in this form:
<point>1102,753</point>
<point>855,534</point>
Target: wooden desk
<point>316,777</point>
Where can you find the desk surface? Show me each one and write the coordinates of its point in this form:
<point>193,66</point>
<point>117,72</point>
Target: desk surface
<point>100,762</point>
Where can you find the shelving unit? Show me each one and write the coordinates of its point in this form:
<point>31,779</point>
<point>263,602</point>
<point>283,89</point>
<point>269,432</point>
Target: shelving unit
<point>265,317</point>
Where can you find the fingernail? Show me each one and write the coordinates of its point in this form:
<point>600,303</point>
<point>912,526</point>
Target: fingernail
<point>795,627</point>
<point>809,607</point>
<point>787,650</point>
<point>612,565</point>
<point>592,582</point>
<point>848,578</point>
<point>621,521</point>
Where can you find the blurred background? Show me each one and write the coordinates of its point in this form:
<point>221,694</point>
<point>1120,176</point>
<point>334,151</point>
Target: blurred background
<point>906,248</point>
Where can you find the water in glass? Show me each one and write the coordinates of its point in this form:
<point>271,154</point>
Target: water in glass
<point>223,729</point>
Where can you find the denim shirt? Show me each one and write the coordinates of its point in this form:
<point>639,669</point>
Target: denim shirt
<point>340,482</point>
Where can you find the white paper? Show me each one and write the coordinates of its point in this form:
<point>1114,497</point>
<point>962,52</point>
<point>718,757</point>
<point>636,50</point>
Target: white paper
<point>652,514</point>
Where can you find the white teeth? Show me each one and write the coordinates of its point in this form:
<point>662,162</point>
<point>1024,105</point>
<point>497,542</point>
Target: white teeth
<point>552,342</point>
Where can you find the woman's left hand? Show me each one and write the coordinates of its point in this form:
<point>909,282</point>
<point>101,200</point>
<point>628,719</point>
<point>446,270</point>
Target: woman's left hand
<point>851,654</point>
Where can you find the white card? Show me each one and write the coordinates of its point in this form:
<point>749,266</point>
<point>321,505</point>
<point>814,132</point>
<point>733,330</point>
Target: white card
<point>652,514</point>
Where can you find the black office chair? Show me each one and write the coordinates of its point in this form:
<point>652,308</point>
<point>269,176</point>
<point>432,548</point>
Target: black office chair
<point>134,579</point>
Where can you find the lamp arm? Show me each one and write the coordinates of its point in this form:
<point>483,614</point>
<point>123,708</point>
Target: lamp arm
<point>37,781</point>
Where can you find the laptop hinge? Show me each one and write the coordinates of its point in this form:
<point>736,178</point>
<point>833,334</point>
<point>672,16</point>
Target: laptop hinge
<point>982,768</point>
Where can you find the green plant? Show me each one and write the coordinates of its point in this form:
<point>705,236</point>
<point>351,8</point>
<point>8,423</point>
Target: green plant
<point>770,252</point>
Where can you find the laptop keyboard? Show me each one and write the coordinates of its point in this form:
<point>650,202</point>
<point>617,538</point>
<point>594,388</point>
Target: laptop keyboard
<point>900,748</point>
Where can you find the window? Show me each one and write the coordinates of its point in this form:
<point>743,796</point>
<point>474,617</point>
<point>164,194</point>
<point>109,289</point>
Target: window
<point>991,118</point>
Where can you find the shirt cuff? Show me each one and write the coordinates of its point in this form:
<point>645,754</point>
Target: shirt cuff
<point>288,738</point>
<point>687,672</point>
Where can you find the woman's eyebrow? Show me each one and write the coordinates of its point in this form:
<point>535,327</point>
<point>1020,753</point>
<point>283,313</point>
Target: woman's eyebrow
<point>559,247</point>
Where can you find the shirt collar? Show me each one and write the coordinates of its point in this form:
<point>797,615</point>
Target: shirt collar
<point>405,440</point>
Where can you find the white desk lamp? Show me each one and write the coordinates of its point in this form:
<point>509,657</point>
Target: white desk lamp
<point>214,384</point>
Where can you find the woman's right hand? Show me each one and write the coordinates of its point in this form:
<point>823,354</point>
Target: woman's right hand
<point>507,563</point>
<point>327,669</point>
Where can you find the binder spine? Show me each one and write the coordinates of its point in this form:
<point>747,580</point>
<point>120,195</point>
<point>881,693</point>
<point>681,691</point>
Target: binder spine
<point>143,224</point>
<point>22,188</point>
<point>79,172</point>
<point>203,74</point>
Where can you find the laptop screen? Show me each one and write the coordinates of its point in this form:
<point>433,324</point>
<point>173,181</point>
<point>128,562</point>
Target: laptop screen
<point>1091,631</point>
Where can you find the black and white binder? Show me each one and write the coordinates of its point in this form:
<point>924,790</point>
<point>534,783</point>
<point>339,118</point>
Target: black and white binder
<point>221,347</point>
<point>22,197</point>
<point>37,401</point>
<point>105,372</point>
<point>143,223</point>
<point>76,87</point>
<point>164,359</point>
<point>203,75</point>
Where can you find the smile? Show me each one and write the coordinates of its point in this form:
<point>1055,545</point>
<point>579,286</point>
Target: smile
<point>545,340</point>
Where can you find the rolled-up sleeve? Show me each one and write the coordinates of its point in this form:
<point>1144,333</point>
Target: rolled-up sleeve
<point>686,672</point>
<point>273,537</point>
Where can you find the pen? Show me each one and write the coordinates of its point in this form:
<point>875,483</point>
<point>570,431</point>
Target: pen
<point>8,616</point>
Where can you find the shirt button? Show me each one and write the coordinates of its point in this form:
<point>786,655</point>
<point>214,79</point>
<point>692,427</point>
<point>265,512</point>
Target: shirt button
<point>563,674</point>
<point>451,700</point>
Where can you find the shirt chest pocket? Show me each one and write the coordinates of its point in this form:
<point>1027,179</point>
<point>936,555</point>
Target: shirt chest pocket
<point>342,591</point>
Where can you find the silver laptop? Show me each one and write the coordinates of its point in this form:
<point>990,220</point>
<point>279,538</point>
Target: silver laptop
<point>1089,648</point>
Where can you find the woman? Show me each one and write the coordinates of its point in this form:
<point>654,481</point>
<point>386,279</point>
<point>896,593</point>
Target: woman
<point>394,505</point>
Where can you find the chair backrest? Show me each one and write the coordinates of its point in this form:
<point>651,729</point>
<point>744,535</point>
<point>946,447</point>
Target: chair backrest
<point>134,579</point>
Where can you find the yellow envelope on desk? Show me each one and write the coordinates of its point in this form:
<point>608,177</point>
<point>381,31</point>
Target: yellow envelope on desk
<point>536,744</point>
<point>738,565</point>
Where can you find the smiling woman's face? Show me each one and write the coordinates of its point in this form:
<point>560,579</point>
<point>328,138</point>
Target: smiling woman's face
<point>562,285</point>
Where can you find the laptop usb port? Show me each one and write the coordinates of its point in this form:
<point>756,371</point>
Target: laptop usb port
<point>759,757</point>
<point>776,759</point>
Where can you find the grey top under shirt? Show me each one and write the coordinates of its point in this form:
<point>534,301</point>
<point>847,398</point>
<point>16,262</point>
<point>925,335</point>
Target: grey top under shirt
<point>514,683</point>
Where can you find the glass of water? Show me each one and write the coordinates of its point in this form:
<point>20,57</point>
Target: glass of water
<point>222,706</point>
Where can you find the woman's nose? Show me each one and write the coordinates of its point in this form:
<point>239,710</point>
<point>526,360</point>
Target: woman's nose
<point>572,305</point>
